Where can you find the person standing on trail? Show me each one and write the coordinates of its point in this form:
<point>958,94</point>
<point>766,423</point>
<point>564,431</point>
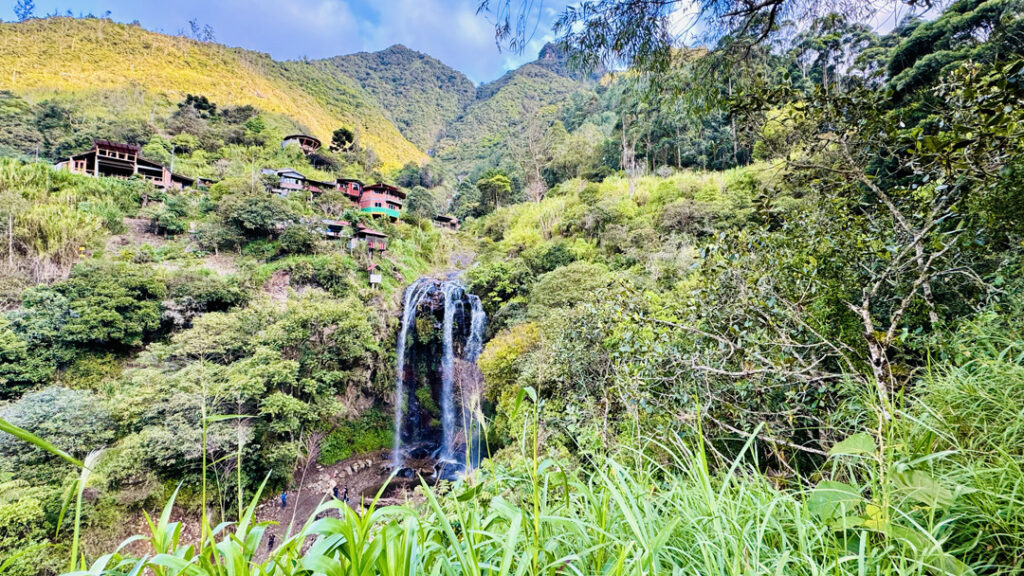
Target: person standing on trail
<point>335,491</point>
<point>270,543</point>
<point>344,495</point>
<point>284,500</point>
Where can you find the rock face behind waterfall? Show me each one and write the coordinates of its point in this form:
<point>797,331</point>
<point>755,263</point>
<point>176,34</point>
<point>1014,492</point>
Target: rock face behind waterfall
<point>438,387</point>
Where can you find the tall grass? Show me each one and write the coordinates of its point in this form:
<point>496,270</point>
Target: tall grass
<point>632,515</point>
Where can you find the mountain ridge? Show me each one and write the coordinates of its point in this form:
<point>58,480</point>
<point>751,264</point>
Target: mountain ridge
<point>106,68</point>
<point>405,104</point>
<point>421,94</point>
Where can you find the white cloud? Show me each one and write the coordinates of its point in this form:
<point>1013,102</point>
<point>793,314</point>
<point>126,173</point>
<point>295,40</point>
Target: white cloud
<point>449,30</point>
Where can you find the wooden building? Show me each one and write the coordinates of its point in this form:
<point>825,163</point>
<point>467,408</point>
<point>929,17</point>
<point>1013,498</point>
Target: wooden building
<point>308,144</point>
<point>351,187</point>
<point>116,160</point>
<point>287,181</point>
<point>446,221</point>
<point>373,239</point>
<point>356,235</point>
<point>381,199</point>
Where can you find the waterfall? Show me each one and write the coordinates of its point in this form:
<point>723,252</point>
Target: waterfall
<point>462,321</point>
<point>449,290</point>
<point>475,343</point>
<point>472,411</point>
<point>413,294</point>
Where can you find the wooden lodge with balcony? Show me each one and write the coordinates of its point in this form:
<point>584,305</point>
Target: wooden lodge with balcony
<point>350,187</point>
<point>381,199</point>
<point>115,160</point>
<point>288,181</point>
<point>373,239</point>
<point>378,199</point>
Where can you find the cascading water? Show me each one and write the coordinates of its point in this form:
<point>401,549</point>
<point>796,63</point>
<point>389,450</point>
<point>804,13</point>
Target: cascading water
<point>413,294</point>
<point>430,306</point>
<point>449,290</point>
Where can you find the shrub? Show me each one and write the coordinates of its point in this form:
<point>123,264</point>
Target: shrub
<point>548,256</point>
<point>568,286</point>
<point>297,239</point>
<point>255,215</point>
<point>498,282</point>
<point>73,420</point>
<point>370,432</point>
<point>109,304</point>
<point>20,368</point>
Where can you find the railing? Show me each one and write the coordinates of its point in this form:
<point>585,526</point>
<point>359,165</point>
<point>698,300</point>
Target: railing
<point>116,155</point>
<point>381,210</point>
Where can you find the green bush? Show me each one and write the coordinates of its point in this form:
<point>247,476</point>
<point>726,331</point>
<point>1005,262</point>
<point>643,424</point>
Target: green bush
<point>498,282</point>
<point>297,239</point>
<point>74,420</point>
<point>568,286</point>
<point>255,215</point>
<point>20,367</point>
<point>370,432</point>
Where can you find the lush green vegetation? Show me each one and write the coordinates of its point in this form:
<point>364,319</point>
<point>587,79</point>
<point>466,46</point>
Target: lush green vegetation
<point>756,316</point>
<point>153,318</point>
<point>421,95</point>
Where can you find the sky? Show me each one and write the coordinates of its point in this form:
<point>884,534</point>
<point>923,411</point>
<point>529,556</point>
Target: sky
<point>449,30</point>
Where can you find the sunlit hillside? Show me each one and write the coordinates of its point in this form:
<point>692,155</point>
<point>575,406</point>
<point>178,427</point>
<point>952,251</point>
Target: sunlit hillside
<point>106,68</point>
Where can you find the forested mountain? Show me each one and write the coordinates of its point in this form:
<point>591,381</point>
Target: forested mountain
<point>419,93</point>
<point>104,71</point>
<point>522,104</point>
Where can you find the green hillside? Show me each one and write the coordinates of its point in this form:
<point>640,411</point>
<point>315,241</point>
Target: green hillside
<point>526,94</point>
<point>419,93</point>
<point>106,69</point>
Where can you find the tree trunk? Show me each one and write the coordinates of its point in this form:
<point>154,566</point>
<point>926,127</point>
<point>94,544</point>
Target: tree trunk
<point>10,240</point>
<point>877,357</point>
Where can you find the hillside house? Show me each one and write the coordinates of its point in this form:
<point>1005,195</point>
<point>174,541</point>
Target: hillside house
<point>381,199</point>
<point>373,239</point>
<point>447,222</point>
<point>357,234</point>
<point>336,229</point>
<point>308,144</point>
<point>351,188</point>
<point>116,160</point>
<point>287,181</point>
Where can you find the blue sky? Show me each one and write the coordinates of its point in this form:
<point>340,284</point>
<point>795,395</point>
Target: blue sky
<point>449,30</point>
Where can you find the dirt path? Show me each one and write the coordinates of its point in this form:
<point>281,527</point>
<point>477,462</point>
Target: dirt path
<point>362,475</point>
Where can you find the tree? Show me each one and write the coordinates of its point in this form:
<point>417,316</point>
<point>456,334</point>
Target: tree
<point>19,367</point>
<point>494,189</point>
<point>467,201</point>
<point>24,9</point>
<point>74,420</point>
<point>408,176</point>
<point>258,215</point>
<point>639,33</point>
<point>202,33</point>
<point>421,202</point>
<point>342,140</point>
